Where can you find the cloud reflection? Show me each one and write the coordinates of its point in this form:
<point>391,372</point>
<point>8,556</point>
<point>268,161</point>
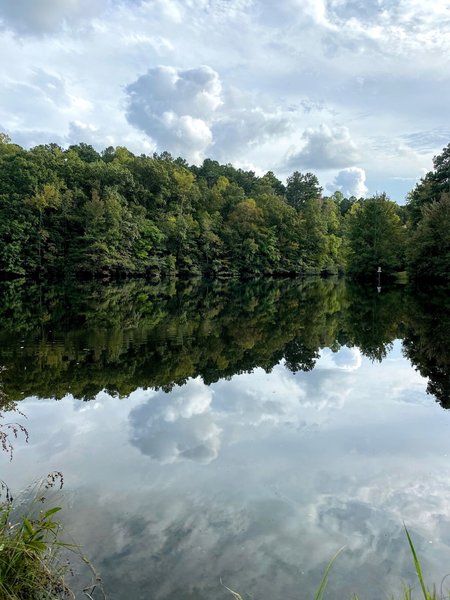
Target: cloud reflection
<point>177,426</point>
<point>347,359</point>
<point>194,421</point>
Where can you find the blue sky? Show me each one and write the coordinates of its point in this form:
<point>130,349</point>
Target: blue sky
<point>354,91</point>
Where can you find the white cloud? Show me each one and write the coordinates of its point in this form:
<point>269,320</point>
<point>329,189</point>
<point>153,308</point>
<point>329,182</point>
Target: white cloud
<point>351,182</point>
<point>346,358</point>
<point>179,426</point>
<point>190,114</point>
<point>325,148</point>
<point>237,131</point>
<point>175,108</point>
<point>195,92</point>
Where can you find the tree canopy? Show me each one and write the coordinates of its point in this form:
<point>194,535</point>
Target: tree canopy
<point>375,237</point>
<point>428,206</point>
<point>81,212</point>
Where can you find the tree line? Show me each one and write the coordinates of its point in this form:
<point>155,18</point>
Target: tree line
<point>79,212</point>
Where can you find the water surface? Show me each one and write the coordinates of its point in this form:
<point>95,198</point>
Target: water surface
<point>242,432</point>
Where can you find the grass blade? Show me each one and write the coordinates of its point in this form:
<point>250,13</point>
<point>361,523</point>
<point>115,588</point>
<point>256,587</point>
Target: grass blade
<point>236,596</point>
<point>323,584</point>
<point>52,511</point>
<point>426,595</point>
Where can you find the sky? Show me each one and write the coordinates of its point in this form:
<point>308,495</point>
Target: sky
<point>355,91</point>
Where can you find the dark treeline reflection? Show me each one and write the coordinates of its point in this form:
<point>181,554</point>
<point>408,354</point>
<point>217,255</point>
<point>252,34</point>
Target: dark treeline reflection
<point>84,338</point>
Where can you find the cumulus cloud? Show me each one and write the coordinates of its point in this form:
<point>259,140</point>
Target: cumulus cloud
<point>88,133</point>
<point>175,107</point>
<point>351,182</point>
<point>242,128</point>
<point>325,148</point>
<point>189,113</point>
<point>196,92</point>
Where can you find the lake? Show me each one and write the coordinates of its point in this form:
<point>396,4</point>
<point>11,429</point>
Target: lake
<point>236,432</point>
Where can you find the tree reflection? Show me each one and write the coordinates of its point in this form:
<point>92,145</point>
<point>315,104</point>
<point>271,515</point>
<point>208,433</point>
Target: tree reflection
<point>426,341</point>
<point>82,338</point>
<point>373,320</point>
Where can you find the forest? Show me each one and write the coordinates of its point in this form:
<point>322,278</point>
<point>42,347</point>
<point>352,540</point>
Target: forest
<point>77,212</point>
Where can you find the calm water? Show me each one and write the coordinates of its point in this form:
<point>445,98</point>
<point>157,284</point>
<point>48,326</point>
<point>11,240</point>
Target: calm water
<point>241,431</point>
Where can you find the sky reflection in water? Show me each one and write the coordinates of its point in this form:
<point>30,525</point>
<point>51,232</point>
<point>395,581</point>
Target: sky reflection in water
<point>258,479</point>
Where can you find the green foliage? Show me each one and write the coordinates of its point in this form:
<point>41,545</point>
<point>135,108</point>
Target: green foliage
<point>4,138</point>
<point>375,237</point>
<point>35,559</point>
<point>429,247</point>
<point>28,568</point>
<point>119,337</point>
<point>431,187</point>
<point>114,214</point>
<point>302,188</point>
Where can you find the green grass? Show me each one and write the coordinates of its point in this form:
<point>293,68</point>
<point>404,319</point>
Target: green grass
<point>29,553</point>
<point>34,561</point>
<point>29,567</point>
